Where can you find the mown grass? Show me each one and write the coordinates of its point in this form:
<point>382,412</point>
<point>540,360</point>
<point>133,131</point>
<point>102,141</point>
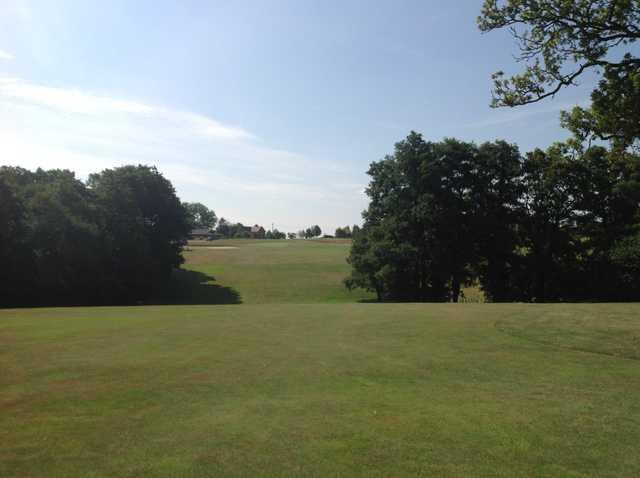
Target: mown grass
<point>275,272</point>
<point>337,389</point>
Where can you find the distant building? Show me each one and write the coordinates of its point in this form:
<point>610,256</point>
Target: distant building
<point>200,235</point>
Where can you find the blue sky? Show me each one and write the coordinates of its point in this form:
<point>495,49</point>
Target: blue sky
<point>267,111</point>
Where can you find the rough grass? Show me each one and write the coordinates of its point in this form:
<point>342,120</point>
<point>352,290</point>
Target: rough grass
<point>339,389</point>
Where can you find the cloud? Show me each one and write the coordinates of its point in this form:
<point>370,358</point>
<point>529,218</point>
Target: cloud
<point>5,55</point>
<point>75,101</point>
<point>71,101</point>
<point>222,165</point>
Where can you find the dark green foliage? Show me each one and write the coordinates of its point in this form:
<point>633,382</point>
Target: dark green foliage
<point>548,226</point>
<point>497,211</point>
<point>145,228</point>
<point>65,243</point>
<point>346,231</point>
<point>17,273</point>
<point>415,241</point>
<point>275,234</point>
<point>310,232</point>
<point>200,216</point>
<point>231,230</point>
<point>625,255</point>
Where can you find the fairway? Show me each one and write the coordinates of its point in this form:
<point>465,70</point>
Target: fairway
<point>272,272</point>
<point>296,378</point>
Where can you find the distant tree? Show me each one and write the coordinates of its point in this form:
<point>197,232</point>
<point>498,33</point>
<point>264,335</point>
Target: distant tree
<point>239,231</point>
<point>291,235</point>
<point>224,228</point>
<point>302,234</point>
<point>343,232</point>
<point>316,231</point>
<point>355,230</point>
<point>200,216</point>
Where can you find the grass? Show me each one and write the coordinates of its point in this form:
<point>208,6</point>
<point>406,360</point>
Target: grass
<point>275,272</point>
<point>318,389</point>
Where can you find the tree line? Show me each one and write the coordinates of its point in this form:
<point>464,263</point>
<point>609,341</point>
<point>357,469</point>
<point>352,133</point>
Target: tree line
<point>114,239</point>
<point>555,224</point>
<point>310,232</point>
<point>346,231</point>
<point>560,224</point>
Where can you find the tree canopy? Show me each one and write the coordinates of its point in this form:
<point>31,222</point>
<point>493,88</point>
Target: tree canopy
<point>559,40</point>
<point>559,224</point>
<point>200,216</point>
<point>115,239</point>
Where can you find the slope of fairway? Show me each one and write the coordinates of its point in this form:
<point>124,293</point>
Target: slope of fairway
<point>273,272</point>
<point>320,390</point>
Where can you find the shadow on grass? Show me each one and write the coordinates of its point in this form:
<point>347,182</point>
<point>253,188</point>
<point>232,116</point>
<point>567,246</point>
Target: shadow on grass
<point>194,288</point>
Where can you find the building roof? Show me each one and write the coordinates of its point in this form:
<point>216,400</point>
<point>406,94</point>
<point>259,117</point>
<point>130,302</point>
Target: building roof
<point>200,232</point>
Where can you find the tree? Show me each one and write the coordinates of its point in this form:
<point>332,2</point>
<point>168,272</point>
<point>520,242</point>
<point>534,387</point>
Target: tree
<point>64,242</point>
<point>343,232</point>
<point>417,240</point>
<point>291,235</point>
<point>145,228</point>
<point>625,255</point>
<point>224,228</point>
<point>275,234</point>
<point>200,216</point>
<point>16,259</point>
<point>316,231</point>
<point>59,237</point>
<point>614,114</point>
<point>497,191</point>
<point>559,40</point>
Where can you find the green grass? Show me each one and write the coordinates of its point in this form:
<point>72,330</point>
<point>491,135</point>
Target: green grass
<point>273,272</point>
<point>333,389</point>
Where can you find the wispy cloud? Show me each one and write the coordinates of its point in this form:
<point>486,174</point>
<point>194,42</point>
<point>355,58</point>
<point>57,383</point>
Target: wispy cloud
<point>223,165</point>
<point>76,101</point>
<point>71,101</point>
<point>4,55</point>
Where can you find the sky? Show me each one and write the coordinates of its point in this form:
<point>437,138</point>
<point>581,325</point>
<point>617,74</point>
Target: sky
<point>267,111</point>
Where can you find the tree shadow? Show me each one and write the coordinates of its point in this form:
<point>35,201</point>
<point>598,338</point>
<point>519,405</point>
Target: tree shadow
<point>188,287</point>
